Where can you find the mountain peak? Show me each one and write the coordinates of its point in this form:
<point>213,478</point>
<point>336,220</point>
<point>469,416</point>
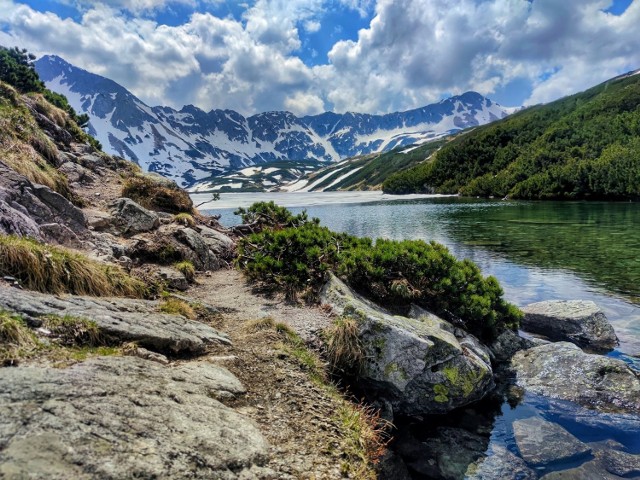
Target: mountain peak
<point>190,145</point>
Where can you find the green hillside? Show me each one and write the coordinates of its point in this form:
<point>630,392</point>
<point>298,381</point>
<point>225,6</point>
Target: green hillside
<point>370,171</point>
<point>585,146</point>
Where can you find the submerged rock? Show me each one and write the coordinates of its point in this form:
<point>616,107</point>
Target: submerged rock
<point>500,464</point>
<point>563,371</point>
<point>543,443</point>
<point>446,455</point>
<point>127,320</point>
<point>418,366</point>
<point>124,417</point>
<point>577,321</point>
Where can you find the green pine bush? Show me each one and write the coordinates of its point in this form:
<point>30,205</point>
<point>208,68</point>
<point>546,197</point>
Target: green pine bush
<point>393,273</point>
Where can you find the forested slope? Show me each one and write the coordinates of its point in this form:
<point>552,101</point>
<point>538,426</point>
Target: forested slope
<point>584,146</point>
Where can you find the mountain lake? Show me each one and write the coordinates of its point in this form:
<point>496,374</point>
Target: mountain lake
<point>538,251</point>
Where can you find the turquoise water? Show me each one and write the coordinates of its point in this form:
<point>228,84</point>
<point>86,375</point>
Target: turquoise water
<point>537,250</point>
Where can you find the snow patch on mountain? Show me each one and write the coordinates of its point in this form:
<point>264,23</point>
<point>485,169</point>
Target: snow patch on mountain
<point>193,146</point>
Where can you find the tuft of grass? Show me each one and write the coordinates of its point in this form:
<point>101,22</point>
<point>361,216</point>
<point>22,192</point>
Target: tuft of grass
<point>70,330</point>
<point>17,340</point>
<point>57,270</point>
<point>187,269</point>
<point>185,219</point>
<point>295,347</point>
<point>366,436</point>
<point>157,194</point>
<point>265,323</point>
<point>176,306</point>
<point>343,346</point>
<point>53,113</point>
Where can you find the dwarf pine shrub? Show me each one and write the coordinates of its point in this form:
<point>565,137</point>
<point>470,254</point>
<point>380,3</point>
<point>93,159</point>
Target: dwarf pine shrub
<point>393,273</point>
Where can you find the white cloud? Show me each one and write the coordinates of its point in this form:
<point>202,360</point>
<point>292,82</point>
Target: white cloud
<point>412,52</point>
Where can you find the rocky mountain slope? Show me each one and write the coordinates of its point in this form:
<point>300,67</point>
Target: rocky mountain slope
<point>190,145</point>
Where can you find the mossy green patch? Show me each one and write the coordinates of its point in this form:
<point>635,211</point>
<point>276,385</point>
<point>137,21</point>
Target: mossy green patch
<point>441,392</point>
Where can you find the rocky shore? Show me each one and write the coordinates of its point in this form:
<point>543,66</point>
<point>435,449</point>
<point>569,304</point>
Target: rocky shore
<point>141,353</point>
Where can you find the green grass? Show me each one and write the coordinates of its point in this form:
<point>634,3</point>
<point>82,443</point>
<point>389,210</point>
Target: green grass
<point>187,269</point>
<point>175,306</point>
<point>17,340</point>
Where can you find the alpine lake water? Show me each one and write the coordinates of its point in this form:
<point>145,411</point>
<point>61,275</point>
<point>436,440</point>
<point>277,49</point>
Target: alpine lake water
<point>538,251</point>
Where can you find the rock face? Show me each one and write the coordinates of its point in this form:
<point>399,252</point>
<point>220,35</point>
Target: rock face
<point>563,371</point>
<point>29,209</point>
<point>507,345</point>
<point>418,366</point>
<point>124,319</point>
<point>132,218</point>
<point>576,321</point>
<point>124,417</point>
<point>542,443</point>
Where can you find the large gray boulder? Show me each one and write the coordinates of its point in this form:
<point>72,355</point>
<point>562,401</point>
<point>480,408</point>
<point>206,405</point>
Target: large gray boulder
<point>418,366</point>
<point>203,257</point>
<point>577,321</point>
<point>124,417</point>
<point>131,218</point>
<point>123,319</point>
<point>219,243</point>
<point>543,443</point>
<point>25,207</point>
<point>563,371</point>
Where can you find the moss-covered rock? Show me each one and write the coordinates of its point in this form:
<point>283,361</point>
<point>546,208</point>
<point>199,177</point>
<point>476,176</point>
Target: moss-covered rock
<point>419,366</point>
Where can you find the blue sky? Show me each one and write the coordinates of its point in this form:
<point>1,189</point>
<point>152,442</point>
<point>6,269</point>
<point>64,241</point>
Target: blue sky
<point>309,56</point>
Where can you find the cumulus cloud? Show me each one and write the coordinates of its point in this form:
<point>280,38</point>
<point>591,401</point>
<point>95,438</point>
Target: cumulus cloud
<point>412,52</point>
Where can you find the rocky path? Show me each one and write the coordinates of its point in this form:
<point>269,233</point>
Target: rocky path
<point>298,417</point>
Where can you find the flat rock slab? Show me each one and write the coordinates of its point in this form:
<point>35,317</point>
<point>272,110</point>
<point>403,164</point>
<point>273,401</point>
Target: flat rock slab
<point>500,464</point>
<point>127,320</point>
<point>543,443</point>
<point>124,417</point>
<point>577,321</point>
<point>563,371</point>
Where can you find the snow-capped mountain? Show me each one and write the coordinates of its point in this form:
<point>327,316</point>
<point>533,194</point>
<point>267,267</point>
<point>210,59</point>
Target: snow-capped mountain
<point>190,145</point>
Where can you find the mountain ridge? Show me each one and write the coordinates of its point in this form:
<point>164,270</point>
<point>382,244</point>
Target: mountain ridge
<point>191,145</point>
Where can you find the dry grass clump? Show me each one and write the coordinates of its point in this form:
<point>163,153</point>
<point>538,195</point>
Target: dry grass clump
<point>185,219</point>
<point>176,306</point>
<point>57,270</point>
<point>25,160</point>
<point>264,323</point>
<point>187,269</point>
<point>17,340</point>
<point>53,113</point>
<point>343,346</point>
<point>70,330</point>
<point>157,194</point>
<point>367,436</point>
